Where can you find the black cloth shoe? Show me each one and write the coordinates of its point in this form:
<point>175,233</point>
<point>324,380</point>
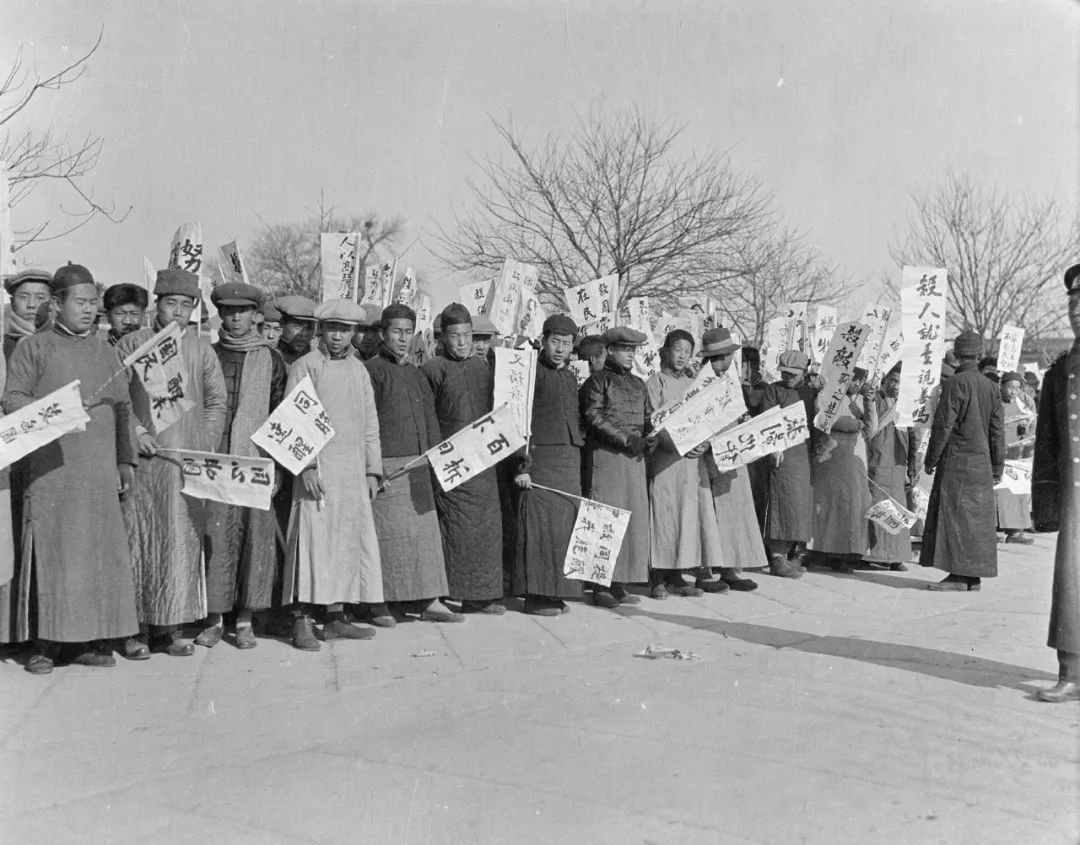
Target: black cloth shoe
<point>954,584</point>
<point>898,567</point>
<point>94,654</point>
<point>303,636</point>
<point>741,585</point>
<point>535,606</point>
<point>169,643</point>
<point>490,608</point>
<point>622,595</point>
<point>336,628</point>
<point>716,585</point>
<point>604,598</point>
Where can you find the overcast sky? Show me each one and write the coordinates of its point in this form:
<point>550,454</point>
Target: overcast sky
<point>228,112</point>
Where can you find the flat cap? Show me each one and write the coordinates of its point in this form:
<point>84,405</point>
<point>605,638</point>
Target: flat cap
<point>42,277</point>
<point>560,324</point>
<point>483,327</point>
<point>717,342</point>
<point>117,296</point>
<point>297,307</point>
<point>236,293</point>
<point>69,276</point>
<point>968,344</point>
<point>624,336</point>
<point>270,312</point>
<point>176,282</point>
<point>340,311</point>
<point>793,361</point>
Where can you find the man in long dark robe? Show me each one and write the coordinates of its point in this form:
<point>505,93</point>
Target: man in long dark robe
<point>966,453</point>
<point>406,522</point>
<point>76,584</point>
<point>125,310</point>
<point>545,520</point>
<point>1056,498</point>
<point>242,548</point>
<point>469,515</point>
<point>790,517</point>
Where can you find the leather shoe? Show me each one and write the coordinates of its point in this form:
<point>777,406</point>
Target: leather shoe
<point>742,585</point>
<point>39,664</point>
<point>604,598</point>
<point>1063,691</point>
<point>245,637</point>
<point>136,649</point>
<point>658,591</point>
<point>303,637</point>
<point>783,569</point>
<point>210,636</point>
<point>715,586</point>
<point>624,596</point>
<point>170,644</point>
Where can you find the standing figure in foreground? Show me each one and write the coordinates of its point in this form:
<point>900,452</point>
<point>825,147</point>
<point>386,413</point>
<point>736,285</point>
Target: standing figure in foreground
<point>553,459</point>
<point>615,411</point>
<point>967,450</point>
<point>75,585</point>
<point>469,515</point>
<point>1056,498</point>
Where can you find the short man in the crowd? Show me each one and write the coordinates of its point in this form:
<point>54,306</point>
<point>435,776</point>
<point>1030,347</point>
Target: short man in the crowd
<point>966,454</point>
<point>1013,508</point>
<point>270,327</point>
<point>242,547</point>
<point>1056,498</point>
<point>125,310</point>
<point>484,334</point>
<point>30,294</point>
<point>406,521</point>
<point>297,327</point>
<point>332,558</point>
<point>76,583</point>
<point>166,528</point>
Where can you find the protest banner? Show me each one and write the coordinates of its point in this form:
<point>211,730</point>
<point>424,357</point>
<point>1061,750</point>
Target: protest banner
<point>339,266</point>
<point>777,341</point>
<point>1008,355</point>
<point>149,275</point>
<point>371,294</point>
<point>593,305</point>
<point>837,371</point>
<point>595,542</point>
<point>824,328</point>
<point>474,296</point>
<point>531,316</point>
<point>7,234</point>
<point>41,422</point>
<point>386,283</point>
<point>891,344</point>
<point>581,371</point>
<point>877,318</point>
<point>297,430</point>
<point>477,447</point>
<point>774,430</point>
<point>515,384</point>
<point>232,479</point>
<point>504,299</point>
<point>159,367</point>
<point>186,253</point>
<point>1016,476</point>
<point>233,268</point>
<point>923,295</point>
<point>406,289</point>
<point>920,501</point>
<point>705,410</point>
<point>646,358</point>
<point>890,515</point>
<point>638,315</point>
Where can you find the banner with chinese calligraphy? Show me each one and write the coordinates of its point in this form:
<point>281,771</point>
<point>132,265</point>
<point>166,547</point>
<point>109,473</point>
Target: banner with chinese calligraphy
<point>232,479</point>
<point>646,359</point>
<point>836,372</point>
<point>920,502</point>
<point>515,384</point>
<point>504,299</point>
<point>372,290</point>
<point>824,328</point>
<point>159,367</point>
<point>640,318</point>
<point>891,344</point>
<point>295,433</point>
<point>386,283</point>
<point>923,294</point>
<point>337,260</point>
<point>775,430</point>
<point>477,447</point>
<point>531,316</point>
<point>581,371</point>
<point>877,318</point>
<point>705,410</point>
<point>406,289</point>
<point>777,339</point>
<point>41,422</point>
<point>475,296</point>
<point>891,516</point>
<point>593,304</point>
<point>1012,341</point>
<point>233,267</point>
<point>1016,476</point>
<point>186,249</point>
<point>595,542</point>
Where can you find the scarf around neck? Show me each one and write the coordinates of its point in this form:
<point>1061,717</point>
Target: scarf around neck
<point>252,340</point>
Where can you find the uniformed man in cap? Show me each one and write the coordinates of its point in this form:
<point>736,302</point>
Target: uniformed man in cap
<point>242,548</point>
<point>125,310</point>
<point>1055,495</point>
<point>30,297</point>
<point>297,326</point>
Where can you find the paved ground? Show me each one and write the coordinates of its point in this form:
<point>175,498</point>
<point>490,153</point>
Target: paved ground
<point>834,709</point>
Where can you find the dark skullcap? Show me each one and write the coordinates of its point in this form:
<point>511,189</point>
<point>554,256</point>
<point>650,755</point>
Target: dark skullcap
<point>968,344</point>
<point>455,314</point>
<point>69,276</point>
<point>117,296</point>
<point>397,311</point>
<point>859,373</point>
<point>42,277</point>
<point>750,354</point>
<point>176,282</point>
<point>1072,279</point>
<point>1012,375</point>
<point>591,345</point>
<point>560,324</point>
<point>676,335</point>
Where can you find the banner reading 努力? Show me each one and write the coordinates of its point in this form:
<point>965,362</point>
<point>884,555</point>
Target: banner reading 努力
<point>297,430</point>
<point>1012,341</point>
<point>515,383</point>
<point>477,447</point>
<point>923,296</point>
<point>595,542</point>
<point>837,368</point>
<point>41,422</point>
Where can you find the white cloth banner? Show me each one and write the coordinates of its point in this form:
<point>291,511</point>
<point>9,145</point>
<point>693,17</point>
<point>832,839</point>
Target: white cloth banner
<point>232,264</point>
<point>406,289</point>
<point>877,318</point>
<point>1016,477</point>
<point>711,407</point>
<point>581,371</point>
<point>158,365</point>
<point>593,304</point>
<point>892,344</point>
<point>531,316</point>
<point>386,283</point>
<point>639,316</point>
<point>295,433</point>
<point>475,296</point>
<point>1012,341</point>
<point>836,372</point>
<point>372,292</point>
<point>41,422</point>
<point>186,253</point>
<point>890,515</point>
<point>920,500</point>
<point>824,328</point>
<point>149,275</point>
<point>337,256</point>
<point>232,479</point>
<point>505,297</point>
<point>774,430</point>
<point>477,447</point>
<point>595,542</point>
<point>646,359</point>
<point>923,295</point>
<point>515,384</point>
<point>777,339</point>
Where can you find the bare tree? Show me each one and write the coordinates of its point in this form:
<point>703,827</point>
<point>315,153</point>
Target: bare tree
<point>1002,253</point>
<point>614,197</point>
<point>35,156</point>
<point>284,257</point>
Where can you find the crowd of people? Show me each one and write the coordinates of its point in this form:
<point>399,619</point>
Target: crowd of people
<point>109,555</point>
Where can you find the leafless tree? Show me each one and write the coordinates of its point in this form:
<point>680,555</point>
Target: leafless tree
<point>35,155</point>
<point>1003,253</point>
<point>615,196</point>
<point>284,257</point>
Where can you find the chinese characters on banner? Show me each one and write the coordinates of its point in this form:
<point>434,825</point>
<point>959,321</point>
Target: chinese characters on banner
<point>877,318</point>
<point>592,305</point>
<point>1012,340</point>
<point>232,264</point>
<point>824,327</point>
<point>406,289</point>
<point>514,282</point>
<point>475,448</point>
<point>386,283</point>
<point>776,430</point>
<point>891,345</point>
<point>581,371</point>
<point>372,292</point>
<point>706,409</point>
<point>515,384</point>
<point>920,501</point>
<point>777,342</point>
<point>297,430</point>
<point>232,479</point>
<point>159,367</point>
<point>41,422</point>
<point>1016,476</point>
<point>595,542</point>
<point>836,372</point>
<point>474,296</point>
<point>890,515</point>
<point>647,358</point>
<point>337,257</point>
<point>922,303</point>
<point>640,318</point>
<point>186,253</point>
<point>531,316</point>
